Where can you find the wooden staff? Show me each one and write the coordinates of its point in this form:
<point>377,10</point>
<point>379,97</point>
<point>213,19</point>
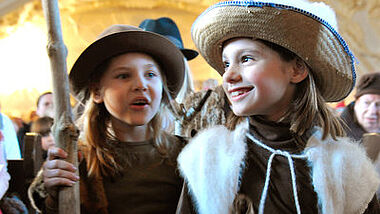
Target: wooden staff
<point>64,131</point>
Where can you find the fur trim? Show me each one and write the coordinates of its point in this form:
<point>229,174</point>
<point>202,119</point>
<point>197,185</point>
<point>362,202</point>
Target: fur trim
<point>343,176</point>
<point>203,172</point>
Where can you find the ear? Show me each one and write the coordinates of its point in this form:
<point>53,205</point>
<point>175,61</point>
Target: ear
<point>97,94</point>
<point>299,71</point>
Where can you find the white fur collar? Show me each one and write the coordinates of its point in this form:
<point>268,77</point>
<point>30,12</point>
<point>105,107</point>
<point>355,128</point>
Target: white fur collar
<point>213,166</point>
<point>343,176</point>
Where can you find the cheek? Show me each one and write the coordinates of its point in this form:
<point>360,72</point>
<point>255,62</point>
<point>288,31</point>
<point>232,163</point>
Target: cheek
<point>156,93</point>
<point>46,142</point>
<point>158,89</point>
<point>359,111</point>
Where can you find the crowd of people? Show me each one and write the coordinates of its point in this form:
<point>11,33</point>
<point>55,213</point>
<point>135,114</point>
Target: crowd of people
<point>264,141</point>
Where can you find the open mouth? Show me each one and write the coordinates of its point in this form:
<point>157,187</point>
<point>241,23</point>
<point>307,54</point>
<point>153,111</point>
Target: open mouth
<point>239,92</point>
<point>140,102</point>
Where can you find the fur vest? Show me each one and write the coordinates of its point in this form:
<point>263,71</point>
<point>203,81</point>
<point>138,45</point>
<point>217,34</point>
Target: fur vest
<point>343,176</point>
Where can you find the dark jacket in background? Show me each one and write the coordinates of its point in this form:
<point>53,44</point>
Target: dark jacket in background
<point>351,126</point>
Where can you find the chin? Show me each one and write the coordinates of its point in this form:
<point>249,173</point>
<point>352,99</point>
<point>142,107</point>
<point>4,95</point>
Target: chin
<point>139,123</point>
<point>240,112</point>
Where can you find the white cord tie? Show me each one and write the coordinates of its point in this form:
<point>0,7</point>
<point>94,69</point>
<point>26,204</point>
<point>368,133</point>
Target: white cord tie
<point>269,166</point>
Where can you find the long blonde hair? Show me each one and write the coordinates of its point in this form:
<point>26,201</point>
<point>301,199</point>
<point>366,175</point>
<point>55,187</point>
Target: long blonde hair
<point>96,131</point>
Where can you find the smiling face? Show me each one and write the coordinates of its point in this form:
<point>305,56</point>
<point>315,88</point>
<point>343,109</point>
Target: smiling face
<point>131,89</point>
<point>257,80</point>
<point>367,112</point>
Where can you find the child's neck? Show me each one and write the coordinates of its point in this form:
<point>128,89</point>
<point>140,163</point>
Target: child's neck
<point>127,133</point>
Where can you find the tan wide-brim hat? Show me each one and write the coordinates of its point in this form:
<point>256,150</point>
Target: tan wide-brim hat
<point>120,39</point>
<point>310,37</point>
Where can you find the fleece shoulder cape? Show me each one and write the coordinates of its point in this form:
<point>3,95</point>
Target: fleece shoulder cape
<point>212,161</point>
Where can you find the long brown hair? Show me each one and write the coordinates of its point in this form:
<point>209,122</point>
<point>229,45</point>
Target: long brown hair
<point>308,108</point>
<point>97,131</point>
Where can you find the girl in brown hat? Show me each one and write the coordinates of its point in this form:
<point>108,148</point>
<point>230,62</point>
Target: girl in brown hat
<point>126,79</point>
<point>285,152</point>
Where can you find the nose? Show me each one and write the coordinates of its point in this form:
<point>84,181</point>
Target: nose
<point>231,74</point>
<point>140,84</point>
<point>374,107</point>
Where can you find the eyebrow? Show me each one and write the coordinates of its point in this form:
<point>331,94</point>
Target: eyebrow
<point>254,52</point>
<point>126,67</point>
<point>151,66</point>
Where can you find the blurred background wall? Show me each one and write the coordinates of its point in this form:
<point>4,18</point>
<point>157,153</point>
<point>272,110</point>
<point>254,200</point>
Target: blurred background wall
<point>25,68</point>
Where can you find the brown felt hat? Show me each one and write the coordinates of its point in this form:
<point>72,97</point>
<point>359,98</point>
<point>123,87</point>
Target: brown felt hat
<point>120,39</point>
<point>368,84</point>
<point>307,29</point>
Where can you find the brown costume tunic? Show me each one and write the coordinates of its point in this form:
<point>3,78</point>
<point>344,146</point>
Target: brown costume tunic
<point>148,184</point>
<point>280,197</point>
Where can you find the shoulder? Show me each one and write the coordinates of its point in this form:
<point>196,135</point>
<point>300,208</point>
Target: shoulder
<point>219,135</point>
<point>182,141</point>
<point>215,143</point>
<point>343,166</point>
<point>341,156</point>
<point>343,149</point>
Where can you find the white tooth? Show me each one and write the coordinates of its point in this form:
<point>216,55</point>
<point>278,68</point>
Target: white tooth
<point>235,93</point>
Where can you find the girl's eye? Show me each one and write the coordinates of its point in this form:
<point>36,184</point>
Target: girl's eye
<point>150,74</point>
<point>226,64</point>
<point>246,58</point>
<point>122,76</point>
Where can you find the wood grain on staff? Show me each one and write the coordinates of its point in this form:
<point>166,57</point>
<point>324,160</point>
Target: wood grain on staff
<point>64,131</point>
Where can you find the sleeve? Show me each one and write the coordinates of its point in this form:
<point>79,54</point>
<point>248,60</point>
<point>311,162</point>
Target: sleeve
<point>11,145</point>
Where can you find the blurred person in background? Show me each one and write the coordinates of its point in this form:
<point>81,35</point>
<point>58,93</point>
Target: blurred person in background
<point>363,114</point>
<point>8,138</point>
<point>42,126</point>
<point>4,175</point>
<point>167,27</point>
<point>45,107</point>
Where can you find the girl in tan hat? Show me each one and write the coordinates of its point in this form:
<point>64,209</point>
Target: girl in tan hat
<point>284,152</point>
<point>126,79</point>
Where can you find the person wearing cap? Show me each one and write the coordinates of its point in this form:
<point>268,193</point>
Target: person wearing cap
<point>363,114</point>
<point>285,150</point>
<point>125,79</point>
<point>193,110</point>
<point>166,26</point>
